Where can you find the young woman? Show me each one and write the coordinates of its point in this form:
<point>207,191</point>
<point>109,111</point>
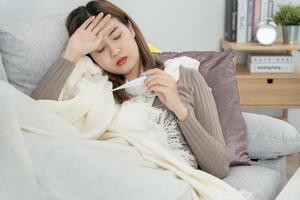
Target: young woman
<point>113,41</point>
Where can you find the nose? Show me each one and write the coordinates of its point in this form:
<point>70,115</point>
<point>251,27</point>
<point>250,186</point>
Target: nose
<point>114,50</point>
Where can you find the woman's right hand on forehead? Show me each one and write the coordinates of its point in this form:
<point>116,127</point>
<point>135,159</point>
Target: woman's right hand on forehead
<point>87,37</point>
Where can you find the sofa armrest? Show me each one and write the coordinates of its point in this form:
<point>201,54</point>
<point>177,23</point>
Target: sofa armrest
<point>268,137</point>
<point>2,71</point>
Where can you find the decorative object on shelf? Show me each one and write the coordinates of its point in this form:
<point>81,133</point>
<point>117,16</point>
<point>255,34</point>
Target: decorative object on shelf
<point>288,16</point>
<point>266,32</point>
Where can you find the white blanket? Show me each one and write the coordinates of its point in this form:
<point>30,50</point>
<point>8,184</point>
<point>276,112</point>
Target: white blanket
<point>37,165</point>
<point>88,104</point>
<point>127,141</point>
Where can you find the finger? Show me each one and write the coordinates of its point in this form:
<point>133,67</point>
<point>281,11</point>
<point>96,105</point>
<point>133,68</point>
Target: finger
<point>160,75</point>
<point>152,71</point>
<point>158,88</point>
<point>101,24</point>
<point>162,83</point>
<point>95,22</point>
<point>87,22</point>
<point>103,33</point>
<point>107,27</point>
<point>161,96</point>
<point>158,80</point>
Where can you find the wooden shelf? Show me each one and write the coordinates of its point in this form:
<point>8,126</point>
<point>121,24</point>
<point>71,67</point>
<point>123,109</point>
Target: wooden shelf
<point>277,46</point>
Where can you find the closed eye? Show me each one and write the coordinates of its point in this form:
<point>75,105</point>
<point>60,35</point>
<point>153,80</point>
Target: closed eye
<point>101,50</point>
<point>117,37</point>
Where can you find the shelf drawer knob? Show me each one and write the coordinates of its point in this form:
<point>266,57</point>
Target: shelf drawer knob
<point>269,80</point>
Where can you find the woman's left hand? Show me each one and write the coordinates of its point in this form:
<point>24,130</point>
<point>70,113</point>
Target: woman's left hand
<point>165,87</point>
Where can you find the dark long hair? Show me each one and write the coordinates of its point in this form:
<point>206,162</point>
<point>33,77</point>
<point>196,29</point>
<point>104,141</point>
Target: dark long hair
<point>79,15</point>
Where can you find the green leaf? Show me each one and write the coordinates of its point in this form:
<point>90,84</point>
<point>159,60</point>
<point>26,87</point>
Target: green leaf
<point>287,14</point>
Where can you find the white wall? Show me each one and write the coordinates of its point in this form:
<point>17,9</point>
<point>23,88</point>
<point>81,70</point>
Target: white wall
<point>23,9</point>
<point>177,24</point>
<point>171,25</point>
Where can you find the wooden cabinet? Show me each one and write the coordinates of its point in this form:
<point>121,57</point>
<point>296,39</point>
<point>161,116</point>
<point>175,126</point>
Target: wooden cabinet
<point>266,90</point>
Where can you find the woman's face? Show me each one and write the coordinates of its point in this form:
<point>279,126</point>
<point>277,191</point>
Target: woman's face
<point>118,52</point>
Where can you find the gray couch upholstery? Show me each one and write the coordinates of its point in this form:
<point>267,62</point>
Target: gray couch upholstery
<point>263,182</point>
<point>264,178</point>
<point>269,140</point>
<point>2,71</point>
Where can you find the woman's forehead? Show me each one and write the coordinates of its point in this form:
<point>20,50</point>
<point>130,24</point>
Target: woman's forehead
<point>115,22</point>
<point>113,19</point>
<point>114,25</point>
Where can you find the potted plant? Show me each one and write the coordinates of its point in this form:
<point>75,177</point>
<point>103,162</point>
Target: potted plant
<point>288,16</point>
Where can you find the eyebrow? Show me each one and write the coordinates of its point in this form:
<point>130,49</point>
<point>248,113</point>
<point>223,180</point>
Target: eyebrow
<point>112,31</point>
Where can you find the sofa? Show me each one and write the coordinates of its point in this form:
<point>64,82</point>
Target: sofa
<point>40,40</point>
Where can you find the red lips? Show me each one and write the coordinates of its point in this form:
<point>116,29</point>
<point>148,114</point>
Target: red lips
<point>122,60</point>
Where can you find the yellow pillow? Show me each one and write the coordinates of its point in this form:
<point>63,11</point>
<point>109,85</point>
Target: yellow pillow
<point>154,49</point>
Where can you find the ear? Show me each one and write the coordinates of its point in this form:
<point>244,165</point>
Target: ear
<point>131,29</point>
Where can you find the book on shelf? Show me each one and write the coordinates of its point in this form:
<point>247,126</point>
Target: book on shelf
<point>243,16</point>
<point>241,34</point>
<point>270,68</point>
<point>270,63</point>
<point>249,14</point>
<point>256,18</point>
<point>230,20</point>
<point>270,58</point>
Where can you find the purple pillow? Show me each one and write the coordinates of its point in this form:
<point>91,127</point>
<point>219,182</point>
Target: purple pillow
<point>218,70</point>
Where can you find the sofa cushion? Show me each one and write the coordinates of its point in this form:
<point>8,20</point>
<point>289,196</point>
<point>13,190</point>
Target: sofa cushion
<point>278,165</point>
<point>268,137</point>
<point>2,71</point>
<point>218,71</point>
<point>29,48</point>
<point>262,182</point>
